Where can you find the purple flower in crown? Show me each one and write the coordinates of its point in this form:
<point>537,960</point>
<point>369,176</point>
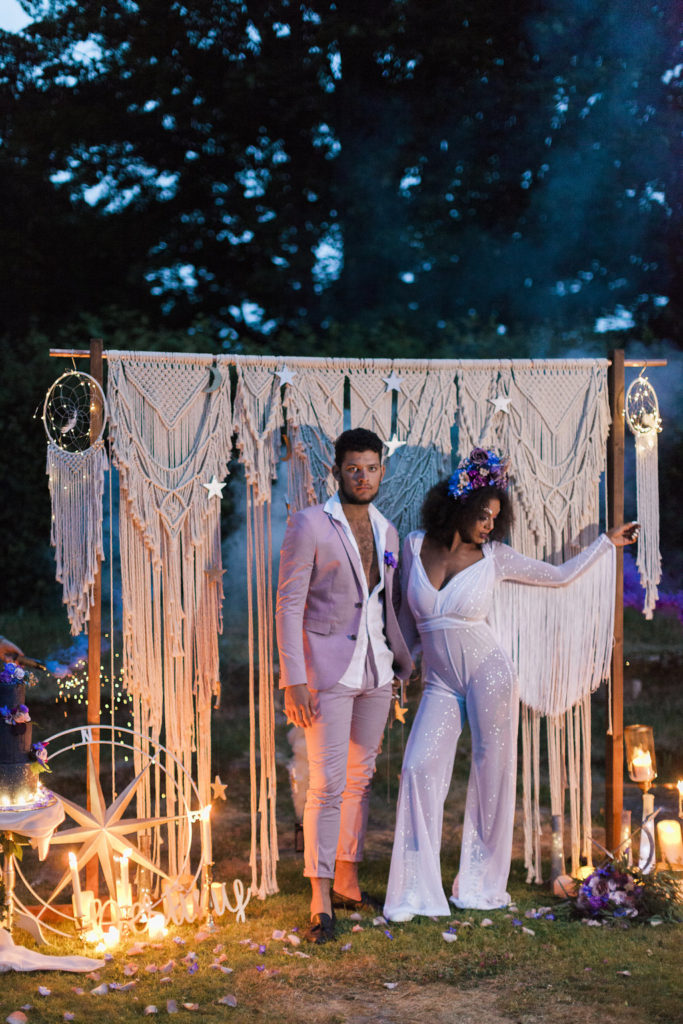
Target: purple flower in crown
<point>390,559</point>
<point>482,468</point>
<point>20,714</point>
<point>6,715</point>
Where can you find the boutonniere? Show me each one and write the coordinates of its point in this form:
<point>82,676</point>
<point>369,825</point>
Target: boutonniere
<point>390,559</point>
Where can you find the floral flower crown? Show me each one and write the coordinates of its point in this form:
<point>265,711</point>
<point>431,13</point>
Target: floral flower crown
<point>482,468</point>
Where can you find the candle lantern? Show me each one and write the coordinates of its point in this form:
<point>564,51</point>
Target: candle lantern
<point>640,755</point>
<point>642,768</point>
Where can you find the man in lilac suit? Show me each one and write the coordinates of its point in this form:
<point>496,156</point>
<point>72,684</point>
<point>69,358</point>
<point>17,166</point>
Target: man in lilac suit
<point>340,649</point>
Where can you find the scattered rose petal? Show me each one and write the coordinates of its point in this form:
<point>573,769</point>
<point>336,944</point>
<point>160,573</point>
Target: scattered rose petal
<point>191,1006</point>
<point>202,936</point>
<point>346,948</point>
<point>136,949</point>
<point>117,987</point>
<point>178,941</point>
<point>130,970</point>
<point>388,933</point>
<point>390,984</point>
<point>486,923</point>
<point>151,968</point>
<point>305,956</point>
<point>107,957</point>
<point>225,970</point>
<point>356,916</point>
<point>188,958</point>
<point>260,967</point>
<point>43,991</point>
<point>167,967</point>
<point>588,968</point>
<point>193,967</point>
<point>294,939</point>
<point>279,935</point>
<point>16,1017</point>
<point>528,931</point>
<point>165,981</point>
<point>262,948</point>
<point>516,921</point>
<point>221,959</point>
<point>466,924</point>
<point>79,991</point>
<point>69,1016</point>
<point>171,1006</point>
<point>94,976</point>
<point>449,936</point>
<point>101,990</point>
<point>357,928</point>
<point>379,920</point>
<point>626,974</point>
<point>150,1009</point>
<point>219,948</point>
<point>228,1000</point>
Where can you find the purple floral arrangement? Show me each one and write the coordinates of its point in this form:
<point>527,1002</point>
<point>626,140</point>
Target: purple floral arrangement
<point>390,559</point>
<point>610,891</point>
<point>483,468</point>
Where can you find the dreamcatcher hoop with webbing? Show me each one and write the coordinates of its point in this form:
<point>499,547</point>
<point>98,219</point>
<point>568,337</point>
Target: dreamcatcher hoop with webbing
<point>74,417</point>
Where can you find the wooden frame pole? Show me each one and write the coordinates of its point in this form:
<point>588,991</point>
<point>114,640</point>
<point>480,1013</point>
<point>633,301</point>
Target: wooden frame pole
<point>94,626</point>
<point>614,750</point>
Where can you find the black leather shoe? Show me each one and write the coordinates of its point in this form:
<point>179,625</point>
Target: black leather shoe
<point>366,902</point>
<point>320,930</point>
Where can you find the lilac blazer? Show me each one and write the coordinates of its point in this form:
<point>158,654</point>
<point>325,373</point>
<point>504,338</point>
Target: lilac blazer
<point>319,602</point>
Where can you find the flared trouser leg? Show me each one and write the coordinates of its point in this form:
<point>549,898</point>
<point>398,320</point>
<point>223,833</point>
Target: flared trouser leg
<point>493,712</point>
<point>415,875</point>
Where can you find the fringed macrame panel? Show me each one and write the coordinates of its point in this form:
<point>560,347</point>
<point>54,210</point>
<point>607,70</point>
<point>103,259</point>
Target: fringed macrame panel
<point>425,413</point>
<point>552,419</point>
<point>314,402</point>
<point>258,422</point>
<point>170,436</point>
<point>76,481</point>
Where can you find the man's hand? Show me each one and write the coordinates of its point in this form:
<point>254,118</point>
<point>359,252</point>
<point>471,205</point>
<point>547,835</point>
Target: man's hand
<point>299,705</point>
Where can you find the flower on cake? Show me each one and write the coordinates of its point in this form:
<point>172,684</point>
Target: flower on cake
<point>15,716</point>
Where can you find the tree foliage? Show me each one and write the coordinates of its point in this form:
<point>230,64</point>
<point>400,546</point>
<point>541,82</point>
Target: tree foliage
<point>273,164</point>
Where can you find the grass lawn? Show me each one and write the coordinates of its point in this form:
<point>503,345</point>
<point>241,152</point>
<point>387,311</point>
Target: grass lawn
<point>564,972</point>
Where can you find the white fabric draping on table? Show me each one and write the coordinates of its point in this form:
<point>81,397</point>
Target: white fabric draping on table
<point>36,823</point>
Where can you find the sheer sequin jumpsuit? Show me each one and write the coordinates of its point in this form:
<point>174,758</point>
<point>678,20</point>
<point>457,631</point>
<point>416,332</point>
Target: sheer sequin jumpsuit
<point>467,677</point>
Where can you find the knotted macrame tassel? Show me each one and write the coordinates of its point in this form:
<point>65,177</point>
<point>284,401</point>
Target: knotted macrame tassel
<point>76,481</point>
<point>649,560</point>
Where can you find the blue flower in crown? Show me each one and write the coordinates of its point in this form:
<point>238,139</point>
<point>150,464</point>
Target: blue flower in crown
<point>390,559</point>
<point>482,468</point>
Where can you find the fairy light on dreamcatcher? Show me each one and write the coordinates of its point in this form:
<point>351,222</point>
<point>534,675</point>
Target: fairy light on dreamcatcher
<point>641,409</point>
<point>74,417</point>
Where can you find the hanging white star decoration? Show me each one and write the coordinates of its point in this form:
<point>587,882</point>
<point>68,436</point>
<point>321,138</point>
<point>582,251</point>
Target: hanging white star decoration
<point>392,444</point>
<point>214,487</point>
<point>286,375</point>
<point>102,831</point>
<point>393,382</point>
<point>501,403</point>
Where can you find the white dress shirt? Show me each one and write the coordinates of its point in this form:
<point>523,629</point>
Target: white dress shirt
<point>371,627</point>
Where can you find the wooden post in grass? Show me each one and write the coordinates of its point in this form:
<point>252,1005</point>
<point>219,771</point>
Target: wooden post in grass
<point>614,750</point>
<point>94,623</point>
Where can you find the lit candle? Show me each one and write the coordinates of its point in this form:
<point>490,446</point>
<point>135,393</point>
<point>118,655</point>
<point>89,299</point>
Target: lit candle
<point>111,937</point>
<point>124,894</point>
<point>77,897</point>
<point>156,926</point>
<point>219,898</point>
<point>206,833</point>
<point>679,786</point>
<point>641,766</point>
<point>670,842</point>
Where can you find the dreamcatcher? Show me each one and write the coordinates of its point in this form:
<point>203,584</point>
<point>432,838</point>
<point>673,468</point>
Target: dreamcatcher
<point>642,416</point>
<point>74,417</point>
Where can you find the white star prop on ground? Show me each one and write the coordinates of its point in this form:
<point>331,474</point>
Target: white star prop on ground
<point>286,375</point>
<point>501,403</point>
<point>219,788</point>
<point>392,444</point>
<point>102,831</point>
<point>393,382</point>
<point>214,487</point>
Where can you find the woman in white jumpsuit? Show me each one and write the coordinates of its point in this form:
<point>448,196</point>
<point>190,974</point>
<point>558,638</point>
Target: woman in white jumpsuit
<point>448,590</point>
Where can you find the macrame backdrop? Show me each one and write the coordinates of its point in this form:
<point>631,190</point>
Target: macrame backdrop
<point>169,437</point>
<point>76,481</point>
<point>171,429</point>
<point>553,423</point>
